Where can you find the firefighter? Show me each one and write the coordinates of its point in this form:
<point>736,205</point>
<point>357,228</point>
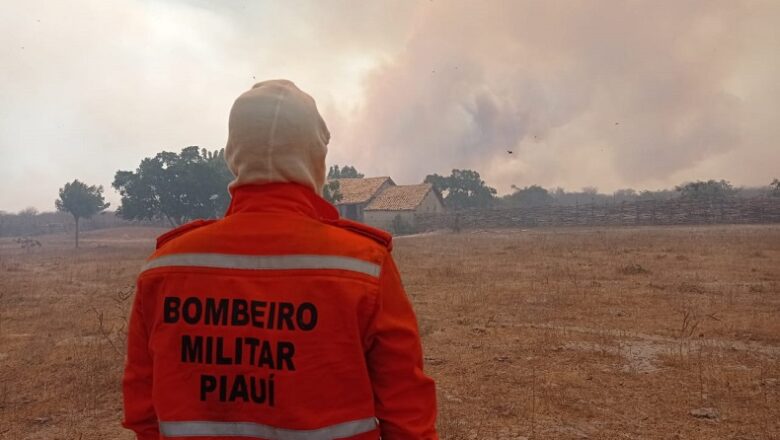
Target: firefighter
<point>280,321</point>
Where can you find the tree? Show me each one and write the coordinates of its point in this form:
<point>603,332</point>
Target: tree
<point>662,194</point>
<point>775,185</point>
<point>710,191</point>
<point>462,189</point>
<point>625,195</point>
<point>176,187</point>
<point>28,218</point>
<point>28,213</point>
<point>590,191</point>
<point>81,201</point>
<point>335,172</point>
<point>528,197</point>
<point>331,193</point>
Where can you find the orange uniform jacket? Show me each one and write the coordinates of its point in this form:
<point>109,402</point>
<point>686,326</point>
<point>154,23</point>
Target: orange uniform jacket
<point>278,322</point>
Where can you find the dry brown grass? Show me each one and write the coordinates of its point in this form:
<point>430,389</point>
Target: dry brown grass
<point>544,334</point>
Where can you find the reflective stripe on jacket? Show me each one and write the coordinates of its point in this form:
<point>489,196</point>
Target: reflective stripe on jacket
<point>278,322</point>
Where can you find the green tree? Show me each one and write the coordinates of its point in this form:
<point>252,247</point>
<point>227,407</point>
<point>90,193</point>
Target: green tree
<point>81,201</point>
<point>331,193</point>
<point>176,187</point>
<point>775,185</point>
<point>529,197</point>
<point>711,190</point>
<point>347,171</point>
<point>463,189</point>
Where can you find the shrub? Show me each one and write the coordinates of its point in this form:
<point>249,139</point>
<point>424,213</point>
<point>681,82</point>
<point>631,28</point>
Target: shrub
<point>399,226</point>
<point>633,269</point>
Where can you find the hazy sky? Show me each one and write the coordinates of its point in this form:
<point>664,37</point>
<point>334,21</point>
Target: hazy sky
<point>613,94</point>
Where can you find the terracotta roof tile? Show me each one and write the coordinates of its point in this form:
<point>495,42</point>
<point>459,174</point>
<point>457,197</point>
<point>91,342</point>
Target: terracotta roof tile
<point>361,190</point>
<point>400,198</point>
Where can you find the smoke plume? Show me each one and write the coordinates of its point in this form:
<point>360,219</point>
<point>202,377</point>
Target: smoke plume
<point>607,93</point>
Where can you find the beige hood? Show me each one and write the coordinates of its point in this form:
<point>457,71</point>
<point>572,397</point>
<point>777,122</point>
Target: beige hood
<point>276,134</point>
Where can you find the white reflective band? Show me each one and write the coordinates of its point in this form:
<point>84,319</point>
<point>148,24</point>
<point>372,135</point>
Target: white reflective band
<point>265,262</point>
<point>256,430</point>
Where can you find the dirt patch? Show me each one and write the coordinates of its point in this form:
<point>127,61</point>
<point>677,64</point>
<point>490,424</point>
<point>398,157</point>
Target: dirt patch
<point>81,340</point>
<point>641,357</point>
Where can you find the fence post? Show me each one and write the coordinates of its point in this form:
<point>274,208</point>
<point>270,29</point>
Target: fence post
<point>653,202</point>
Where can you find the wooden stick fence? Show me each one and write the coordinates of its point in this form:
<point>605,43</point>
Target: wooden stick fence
<point>760,210</point>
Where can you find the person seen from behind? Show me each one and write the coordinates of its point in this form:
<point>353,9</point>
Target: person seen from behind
<point>280,321</point>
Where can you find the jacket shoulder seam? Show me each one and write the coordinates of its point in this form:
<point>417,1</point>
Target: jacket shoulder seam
<point>377,235</point>
<point>181,230</point>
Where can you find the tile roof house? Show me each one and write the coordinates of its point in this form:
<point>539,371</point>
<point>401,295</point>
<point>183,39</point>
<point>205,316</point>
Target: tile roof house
<point>400,204</point>
<point>400,198</point>
<point>378,201</point>
<point>357,193</point>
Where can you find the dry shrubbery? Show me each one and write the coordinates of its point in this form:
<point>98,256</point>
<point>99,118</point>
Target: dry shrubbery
<point>633,269</point>
<point>544,334</point>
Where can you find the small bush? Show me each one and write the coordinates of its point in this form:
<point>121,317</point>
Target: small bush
<point>28,243</point>
<point>633,269</point>
<point>456,224</point>
<point>686,287</point>
<point>401,226</point>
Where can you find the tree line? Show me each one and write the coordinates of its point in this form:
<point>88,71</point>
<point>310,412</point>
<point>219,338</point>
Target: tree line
<point>178,187</point>
<point>464,189</point>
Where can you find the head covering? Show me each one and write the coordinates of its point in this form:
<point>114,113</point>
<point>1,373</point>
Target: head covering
<point>276,134</point>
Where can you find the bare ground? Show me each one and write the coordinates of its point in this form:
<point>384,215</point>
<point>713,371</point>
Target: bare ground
<point>623,333</point>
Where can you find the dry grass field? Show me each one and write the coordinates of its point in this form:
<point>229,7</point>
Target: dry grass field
<point>625,333</point>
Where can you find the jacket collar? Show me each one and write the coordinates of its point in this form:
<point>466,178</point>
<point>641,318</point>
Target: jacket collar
<point>280,198</point>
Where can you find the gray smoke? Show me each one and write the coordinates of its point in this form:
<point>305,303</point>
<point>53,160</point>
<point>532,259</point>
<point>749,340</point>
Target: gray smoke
<point>583,93</point>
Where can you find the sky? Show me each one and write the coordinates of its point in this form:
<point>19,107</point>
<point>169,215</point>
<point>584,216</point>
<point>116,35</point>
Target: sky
<point>609,94</point>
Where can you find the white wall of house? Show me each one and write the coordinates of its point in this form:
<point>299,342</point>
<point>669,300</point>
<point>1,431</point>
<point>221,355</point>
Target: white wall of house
<point>430,204</point>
